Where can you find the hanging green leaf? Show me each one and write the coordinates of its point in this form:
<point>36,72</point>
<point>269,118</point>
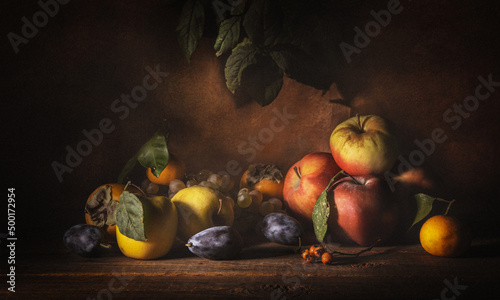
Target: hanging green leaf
<point>238,7</point>
<point>263,80</point>
<point>321,212</point>
<point>424,207</point>
<point>129,216</point>
<point>263,22</point>
<point>190,27</point>
<point>153,154</point>
<point>242,56</point>
<point>302,67</point>
<point>229,35</point>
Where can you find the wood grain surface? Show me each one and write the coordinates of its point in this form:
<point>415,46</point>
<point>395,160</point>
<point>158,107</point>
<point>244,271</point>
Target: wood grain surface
<point>264,271</point>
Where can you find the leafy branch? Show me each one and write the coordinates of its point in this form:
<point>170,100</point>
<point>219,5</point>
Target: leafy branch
<point>264,40</point>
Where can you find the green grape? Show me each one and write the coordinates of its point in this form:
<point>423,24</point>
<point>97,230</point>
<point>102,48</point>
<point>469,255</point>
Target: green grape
<point>203,175</point>
<point>176,185</point>
<point>144,184</point>
<point>256,197</point>
<point>266,208</point>
<point>152,189</point>
<point>215,179</point>
<point>191,182</point>
<point>278,204</point>
<point>208,184</point>
<point>244,198</point>
<point>227,183</point>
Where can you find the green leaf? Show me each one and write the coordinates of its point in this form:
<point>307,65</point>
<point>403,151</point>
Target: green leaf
<point>190,27</point>
<point>238,7</point>
<point>129,216</point>
<point>229,34</point>
<point>263,80</point>
<point>424,207</point>
<point>241,57</point>
<point>129,166</point>
<point>321,211</point>
<point>153,154</point>
<point>263,22</point>
<point>302,67</point>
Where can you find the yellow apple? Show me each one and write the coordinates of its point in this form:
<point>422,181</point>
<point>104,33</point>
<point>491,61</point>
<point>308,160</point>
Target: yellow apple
<point>364,145</point>
<point>199,208</point>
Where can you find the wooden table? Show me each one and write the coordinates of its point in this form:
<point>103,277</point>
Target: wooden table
<point>264,271</point>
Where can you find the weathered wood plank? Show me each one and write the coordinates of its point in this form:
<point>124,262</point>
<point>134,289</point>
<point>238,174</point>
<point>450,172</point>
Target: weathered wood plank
<point>265,272</point>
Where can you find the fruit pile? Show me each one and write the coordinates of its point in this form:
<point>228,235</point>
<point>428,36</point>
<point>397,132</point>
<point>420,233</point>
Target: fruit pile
<point>344,192</point>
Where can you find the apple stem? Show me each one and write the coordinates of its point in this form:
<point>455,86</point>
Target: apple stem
<point>297,171</point>
<point>333,180</point>
<point>347,174</point>
<point>359,120</point>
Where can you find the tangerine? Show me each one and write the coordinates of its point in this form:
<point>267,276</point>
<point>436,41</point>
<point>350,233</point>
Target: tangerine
<point>445,236</point>
<point>175,169</point>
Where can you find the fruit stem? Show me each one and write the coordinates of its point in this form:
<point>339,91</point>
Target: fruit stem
<point>347,174</point>
<point>297,171</point>
<point>333,180</point>
<point>359,121</point>
<point>449,204</point>
<point>130,183</point>
<point>220,206</point>
<point>360,252</point>
<point>189,245</point>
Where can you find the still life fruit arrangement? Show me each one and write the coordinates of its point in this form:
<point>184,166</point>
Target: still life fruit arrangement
<point>342,196</point>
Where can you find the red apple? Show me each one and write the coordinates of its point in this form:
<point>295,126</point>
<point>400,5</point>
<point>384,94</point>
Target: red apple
<point>306,180</point>
<point>364,145</point>
<point>365,209</point>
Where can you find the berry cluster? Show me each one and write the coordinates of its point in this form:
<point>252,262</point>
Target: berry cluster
<point>317,253</point>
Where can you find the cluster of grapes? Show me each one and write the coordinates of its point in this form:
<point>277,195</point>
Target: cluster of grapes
<point>253,201</point>
<point>221,183</point>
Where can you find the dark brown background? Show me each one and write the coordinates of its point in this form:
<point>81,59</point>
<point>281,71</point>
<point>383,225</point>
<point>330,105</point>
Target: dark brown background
<point>65,78</point>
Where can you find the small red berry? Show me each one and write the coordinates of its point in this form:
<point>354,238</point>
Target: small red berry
<point>316,250</point>
<point>326,258</point>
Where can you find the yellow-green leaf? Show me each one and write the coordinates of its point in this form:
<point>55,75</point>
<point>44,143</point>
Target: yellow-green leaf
<point>424,207</point>
<point>129,216</point>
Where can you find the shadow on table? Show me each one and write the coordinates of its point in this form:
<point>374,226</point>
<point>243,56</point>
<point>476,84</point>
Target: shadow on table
<point>489,248</point>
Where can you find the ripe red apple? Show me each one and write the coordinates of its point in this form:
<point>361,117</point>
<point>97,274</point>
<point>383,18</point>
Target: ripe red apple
<point>364,145</point>
<point>306,180</point>
<point>365,209</point>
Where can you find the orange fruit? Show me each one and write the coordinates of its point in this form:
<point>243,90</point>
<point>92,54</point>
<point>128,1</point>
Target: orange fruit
<point>270,188</point>
<point>445,236</point>
<point>110,191</point>
<point>175,169</point>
